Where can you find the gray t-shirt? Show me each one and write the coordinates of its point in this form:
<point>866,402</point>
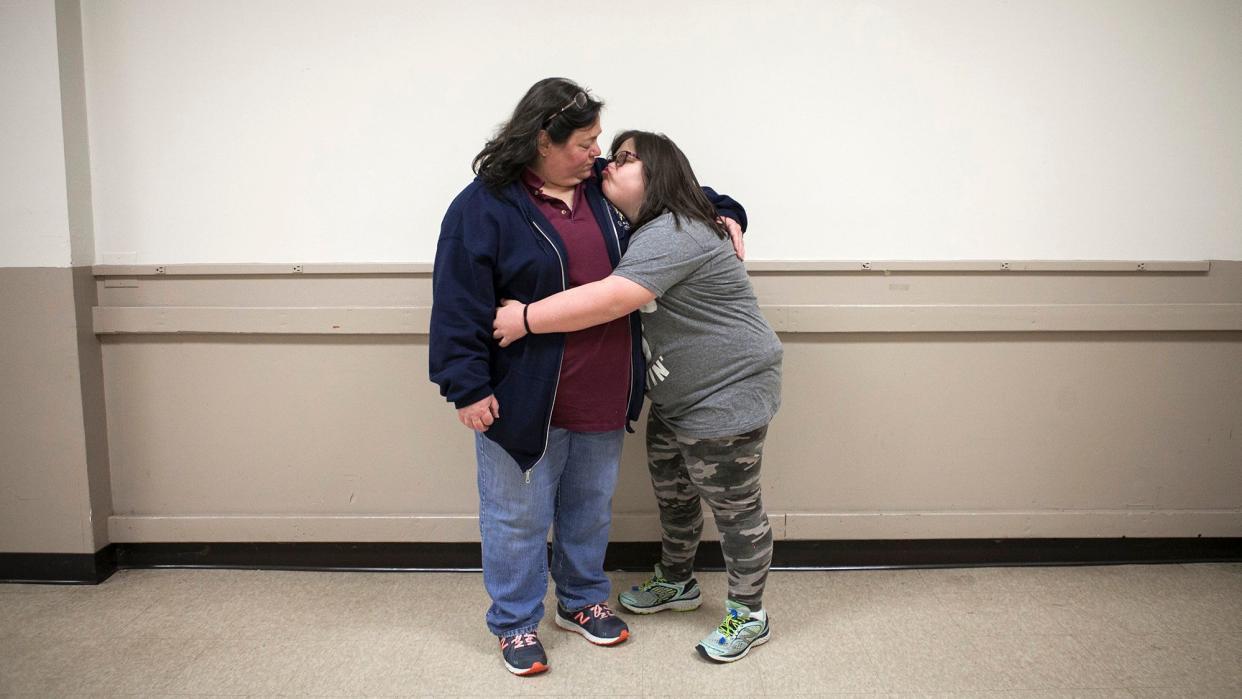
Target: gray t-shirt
<point>713,362</point>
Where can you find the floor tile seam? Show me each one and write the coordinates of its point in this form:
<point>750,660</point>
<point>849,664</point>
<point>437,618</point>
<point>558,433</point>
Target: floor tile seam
<point>1100,659</point>
<point>208,694</point>
<point>138,615</point>
<point>1197,685</point>
<point>1032,610</point>
<point>1136,688</point>
<point>187,667</point>
<point>1110,662</point>
<point>1012,680</point>
<point>1108,659</point>
<point>958,634</point>
<point>873,664</point>
<point>1085,649</point>
<point>1177,633</point>
<point>1070,688</point>
<point>413,656</point>
<point>946,593</point>
<point>99,649</point>
<point>1038,639</point>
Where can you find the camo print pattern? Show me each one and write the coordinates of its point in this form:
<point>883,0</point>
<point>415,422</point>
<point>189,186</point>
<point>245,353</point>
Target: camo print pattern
<point>724,472</point>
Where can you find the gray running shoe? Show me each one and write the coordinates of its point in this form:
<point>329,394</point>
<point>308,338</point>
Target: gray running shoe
<point>736,635</point>
<point>660,593</point>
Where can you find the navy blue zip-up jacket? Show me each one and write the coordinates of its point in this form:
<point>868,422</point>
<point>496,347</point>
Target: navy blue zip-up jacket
<point>496,245</point>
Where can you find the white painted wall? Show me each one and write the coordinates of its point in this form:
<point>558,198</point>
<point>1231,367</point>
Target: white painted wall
<point>318,130</point>
<point>34,214</point>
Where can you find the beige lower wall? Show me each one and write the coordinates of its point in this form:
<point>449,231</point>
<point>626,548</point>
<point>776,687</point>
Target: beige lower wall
<point>259,429</point>
<point>878,437</point>
<point>918,404</point>
<point>54,481</point>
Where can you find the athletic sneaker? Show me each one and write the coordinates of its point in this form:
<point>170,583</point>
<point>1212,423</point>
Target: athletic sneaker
<point>595,623</point>
<point>660,593</point>
<point>523,654</point>
<point>736,635</point>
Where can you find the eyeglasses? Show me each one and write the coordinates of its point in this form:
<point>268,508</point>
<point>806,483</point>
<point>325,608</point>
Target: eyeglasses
<point>624,156</point>
<point>578,102</point>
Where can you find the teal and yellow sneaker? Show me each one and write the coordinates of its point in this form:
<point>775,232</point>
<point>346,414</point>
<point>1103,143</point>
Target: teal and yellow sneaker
<point>736,635</point>
<point>660,593</point>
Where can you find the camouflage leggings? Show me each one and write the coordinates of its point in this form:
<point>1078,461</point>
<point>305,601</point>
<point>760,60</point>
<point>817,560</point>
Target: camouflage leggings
<point>724,472</point>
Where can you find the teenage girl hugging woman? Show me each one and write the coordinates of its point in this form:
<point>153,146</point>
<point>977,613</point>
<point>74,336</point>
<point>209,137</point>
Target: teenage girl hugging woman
<point>713,375</point>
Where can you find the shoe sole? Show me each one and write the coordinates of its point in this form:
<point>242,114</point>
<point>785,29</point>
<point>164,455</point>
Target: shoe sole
<point>535,669</point>
<point>677,605</point>
<point>571,626</point>
<point>732,658</point>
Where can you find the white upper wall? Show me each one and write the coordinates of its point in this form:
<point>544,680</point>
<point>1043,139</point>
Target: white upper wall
<point>318,130</point>
<point>34,213</point>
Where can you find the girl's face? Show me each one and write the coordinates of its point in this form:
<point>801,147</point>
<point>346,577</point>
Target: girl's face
<point>571,162</point>
<point>623,180</point>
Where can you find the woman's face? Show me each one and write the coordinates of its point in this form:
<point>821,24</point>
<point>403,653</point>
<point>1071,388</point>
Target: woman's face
<point>623,184</point>
<point>571,162</point>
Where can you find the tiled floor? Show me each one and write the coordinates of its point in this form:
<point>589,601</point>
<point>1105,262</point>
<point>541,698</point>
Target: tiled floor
<point>1121,631</point>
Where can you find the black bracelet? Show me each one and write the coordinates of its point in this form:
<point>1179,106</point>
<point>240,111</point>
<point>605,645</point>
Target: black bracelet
<point>525,322</point>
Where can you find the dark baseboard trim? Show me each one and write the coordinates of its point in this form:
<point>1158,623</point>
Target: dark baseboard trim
<point>58,568</point>
<point>304,556</point>
<point>961,553</point>
<point>629,556</point>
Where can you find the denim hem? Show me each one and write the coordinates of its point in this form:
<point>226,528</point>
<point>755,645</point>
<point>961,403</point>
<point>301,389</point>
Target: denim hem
<point>529,628</point>
<point>588,605</point>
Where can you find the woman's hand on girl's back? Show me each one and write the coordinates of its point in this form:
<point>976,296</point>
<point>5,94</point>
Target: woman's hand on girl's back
<point>735,235</point>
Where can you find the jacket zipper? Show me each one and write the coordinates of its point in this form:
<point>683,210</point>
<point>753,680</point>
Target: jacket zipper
<point>547,427</point>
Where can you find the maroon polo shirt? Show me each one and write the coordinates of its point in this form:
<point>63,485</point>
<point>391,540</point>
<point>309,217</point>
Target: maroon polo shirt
<point>595,373</point>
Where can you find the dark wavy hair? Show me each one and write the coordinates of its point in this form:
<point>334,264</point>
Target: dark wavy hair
<point>670,182</point>
<point>516,142</point>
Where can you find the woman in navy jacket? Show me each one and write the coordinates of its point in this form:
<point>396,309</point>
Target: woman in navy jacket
<point>548,413</point>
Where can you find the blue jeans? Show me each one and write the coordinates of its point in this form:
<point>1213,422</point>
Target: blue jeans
<point>570,489</point>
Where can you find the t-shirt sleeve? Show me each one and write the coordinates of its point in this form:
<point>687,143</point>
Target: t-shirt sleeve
<point>660,257</point>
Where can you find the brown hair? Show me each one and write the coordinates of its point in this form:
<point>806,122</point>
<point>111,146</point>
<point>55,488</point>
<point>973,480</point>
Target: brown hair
<point>670,182</point>
<point>516,141</point>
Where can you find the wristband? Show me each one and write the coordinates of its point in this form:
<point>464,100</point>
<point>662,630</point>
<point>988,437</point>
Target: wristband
<point>525,322</point>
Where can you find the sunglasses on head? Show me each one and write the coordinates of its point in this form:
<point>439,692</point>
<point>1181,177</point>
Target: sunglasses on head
<point>578,102</point>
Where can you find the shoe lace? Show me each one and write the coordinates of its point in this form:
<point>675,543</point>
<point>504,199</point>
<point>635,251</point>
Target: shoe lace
<point>653,582</point>
<point>732,622</point>
<point>601,611</point>
<point>522,640</point>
